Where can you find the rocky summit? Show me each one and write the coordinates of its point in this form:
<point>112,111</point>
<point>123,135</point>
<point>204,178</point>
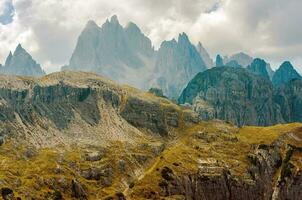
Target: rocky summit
<point>21,63</point>
<point>259,66</point>
<point>284,74</point>
<point>76,135</point>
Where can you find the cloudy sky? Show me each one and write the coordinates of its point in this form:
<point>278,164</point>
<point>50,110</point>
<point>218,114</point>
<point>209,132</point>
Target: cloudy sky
<point>48,29</point>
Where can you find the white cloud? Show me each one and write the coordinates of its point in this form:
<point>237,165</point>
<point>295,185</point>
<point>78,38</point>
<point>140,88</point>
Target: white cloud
<point>269,29</point>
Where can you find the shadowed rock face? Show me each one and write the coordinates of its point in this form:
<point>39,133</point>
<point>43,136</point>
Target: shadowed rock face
<point>284,74</point>
<point>289,98</point>
<point>258,66</point>
<point>243,98</point>
<point>233,94</point>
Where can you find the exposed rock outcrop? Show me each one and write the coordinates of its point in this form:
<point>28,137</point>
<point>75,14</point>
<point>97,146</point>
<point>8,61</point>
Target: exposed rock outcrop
<point>259,66</point>
<point>284,74</point>
<point>289,98</point>
<point>233,94</point>
<point>219,61</point>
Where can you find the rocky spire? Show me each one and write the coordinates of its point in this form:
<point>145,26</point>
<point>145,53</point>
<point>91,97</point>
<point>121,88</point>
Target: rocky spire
<point>205,55</point>
<point>219,61</point>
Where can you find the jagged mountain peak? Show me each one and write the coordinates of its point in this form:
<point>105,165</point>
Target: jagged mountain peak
<point>8,59</point>
<point>114,19</point>
<point>183,38</point>
<point>112,22</point>
<point>133,27</point>
<point>286,65</point>
<point>21,63</point>
<point>204,55</point>
<point>259,66</point>
<point>284,74</point>
<point>91,25</point>
<point>19,49</point>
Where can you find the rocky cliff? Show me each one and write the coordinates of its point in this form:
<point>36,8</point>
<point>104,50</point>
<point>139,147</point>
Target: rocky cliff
<point>259,66</point>
<point>21,63</point>
<point>176,64</point>
<point>289,98</point>
<point>284,74</point>
<point>232,94</point>
<point>75,135</point>
<point>124,54</point>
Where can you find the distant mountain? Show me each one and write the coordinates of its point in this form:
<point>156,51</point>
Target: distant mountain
<point>219,61</point>
<point>21,63</point>
<point>232,94</point>
<point>241,58</point>
<point>126,55</point>
<point>233,63</point>
<point>205,55</point>
<point>123,54</point>
<point>259,66</point>
<point>284,74</point>
<point>176,64</point>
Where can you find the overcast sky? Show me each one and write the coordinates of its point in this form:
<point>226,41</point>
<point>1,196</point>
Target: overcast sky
<point>48,29</point>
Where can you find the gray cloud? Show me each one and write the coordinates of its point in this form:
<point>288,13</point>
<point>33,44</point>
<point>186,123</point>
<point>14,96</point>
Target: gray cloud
<point>270,29</point>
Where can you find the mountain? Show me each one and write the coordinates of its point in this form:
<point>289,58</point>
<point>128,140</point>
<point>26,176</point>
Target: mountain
<point>219,61</point>
<point>242,59</point>
<point>76,135</point>
<point>233,63</point>
<point>21,63</point>
<point>123,54</point>
<point>177,63</point>
<point>232,94</point>
<point>284,74</point>
<point>289,98</point>
<point>205,55</point>
<point>259,66</point>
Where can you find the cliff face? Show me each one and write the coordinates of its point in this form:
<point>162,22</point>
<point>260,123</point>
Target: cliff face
<point>218,161</point>
<point>284,74</point>
<point>243,98</point>
<point>259,66</point>
<point>289,98</point>
<point>232,94</point>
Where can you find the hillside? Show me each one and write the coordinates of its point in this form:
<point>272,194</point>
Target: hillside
<point>76,135</point>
